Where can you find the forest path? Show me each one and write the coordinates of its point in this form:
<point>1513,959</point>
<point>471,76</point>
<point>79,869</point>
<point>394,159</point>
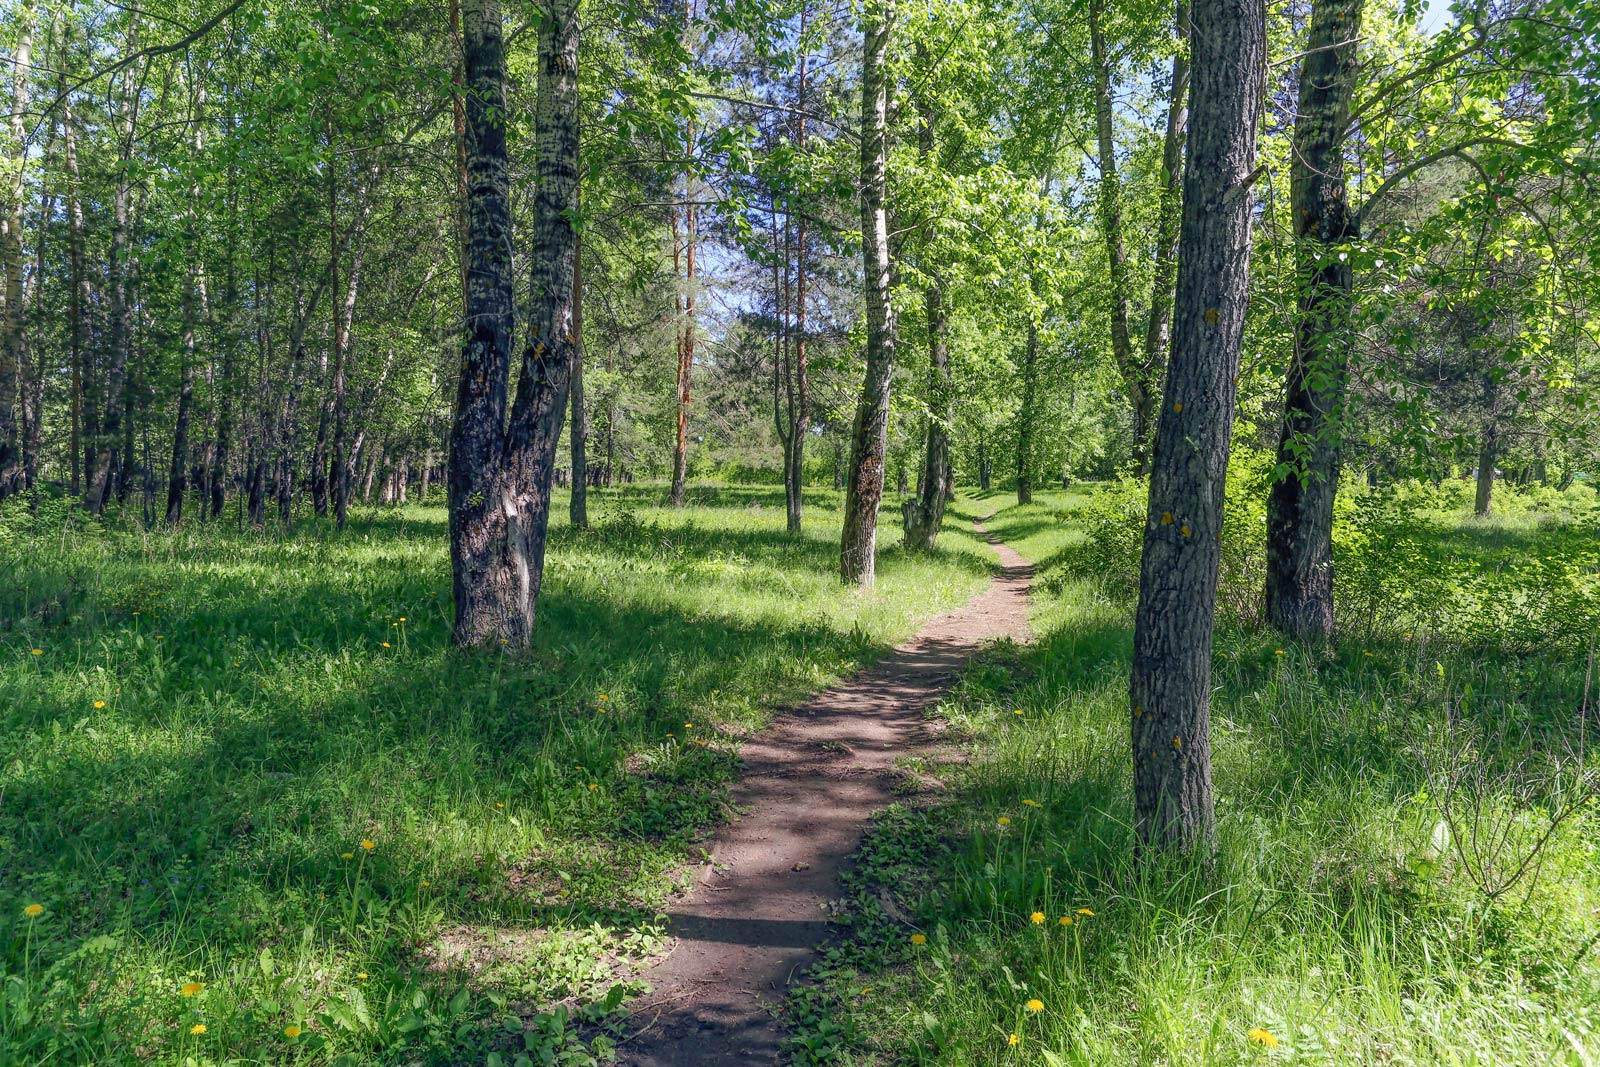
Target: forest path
<point>811,782</point>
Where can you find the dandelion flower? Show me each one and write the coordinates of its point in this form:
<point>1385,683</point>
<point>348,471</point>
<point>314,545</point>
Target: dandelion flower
<point>191,989</point>
<point>1086,911</point>
<point>369,844</point>
<point>1035,1005</point>
<point>292,1032</point>
<point>33,911</point>
<point>1037,918</point>
<point>865,990</point>
<point>1017,712</point>
<point>37,651</point>
<point>1005,820</point>
<point>1278,652</point>
<point>347,855</point>
<point>401,619</point>
<point>593,786</point>
<point>1032,804</point>
<point>1263,1036</point>
<point>197,1029</point>
<point>98,704</point>
<point>688,726</point>
<point>387,645</point>
<point>426,883</point>
<point>499,804</point>
<point>1065,920</point>
<point>361,976</point>
<point>1013,1039</point>
<point>919,939</point>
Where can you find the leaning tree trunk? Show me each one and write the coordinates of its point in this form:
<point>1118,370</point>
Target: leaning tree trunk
<point>870,433</point>
<point>500,472</point>
<point>1299,592</point>
<point>1171,680</point>
<point>578,432</point>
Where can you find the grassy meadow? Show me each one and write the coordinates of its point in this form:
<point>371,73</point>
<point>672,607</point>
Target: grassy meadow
<point>1408,868</point>
<point>254,809</point>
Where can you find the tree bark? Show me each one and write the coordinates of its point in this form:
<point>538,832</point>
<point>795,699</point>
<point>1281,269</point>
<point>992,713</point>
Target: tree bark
<point>922,515</point>
<point>112,428</point>
<point>500,472</point>
<point>1299,586</point>
<point>680,452</point>
<point>1171,680</point>
<point>870,433</point>
<point>1159,329</point>
<point>1138,376</point>
<point>578,431</point>
<point>11,318</point>
<point>1026,413</point>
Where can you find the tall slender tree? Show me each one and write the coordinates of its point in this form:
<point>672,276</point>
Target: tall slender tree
<point>870,434</point>
<point>1171,680</point>
<point>1299,585</point>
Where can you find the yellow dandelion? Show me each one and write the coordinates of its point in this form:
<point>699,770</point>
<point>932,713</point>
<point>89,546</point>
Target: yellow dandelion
<point>292,1032</point>
<point>347,855</point>
<point>865,990</point>
<point>37,651</point>
<point>1032,804</point>
<point>1086,911</point>
<point>402,619</point>
<point>1277,652</point>
<point>499,804</point>
<point>1005,820</point>
<point>361,976</point>
<point>191,989</point>
<point>98,704</point>
<point>919,939</point>
<point>593,786</point>
<point>688,726</point>
<point>1065,920</point>
<point>33,911</point>
<point>1017,712</point>
<point>1263,1036</point>
<point>426,883</point>
<point>368,844</point>
<point>1037,918</point>
<point>1035,1005</point>
<point>197,1029</point>
<point>387,645</point>
<point>1013,1039</point>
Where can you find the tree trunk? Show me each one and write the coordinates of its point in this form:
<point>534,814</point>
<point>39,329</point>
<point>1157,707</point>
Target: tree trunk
<point>1488,454</point>
<point>1137,377</point>
<point>177,479</point>
<point>1299,589</point>
<point>680,452</point>
<point>82,296</point>
<point>578,431</point>
<point>1026,415</point>
<point>923,515</point>
<point>1158,331</point>
<point>1171,680</point>
<point>116,381</point>
<point>11,318</point>
<point>870,433</point>
<point>500,473</point>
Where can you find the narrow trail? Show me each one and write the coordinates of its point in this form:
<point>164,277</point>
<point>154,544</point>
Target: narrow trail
<point>810,784</point>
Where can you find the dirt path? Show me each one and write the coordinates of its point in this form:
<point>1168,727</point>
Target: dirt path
<point>810,784</point>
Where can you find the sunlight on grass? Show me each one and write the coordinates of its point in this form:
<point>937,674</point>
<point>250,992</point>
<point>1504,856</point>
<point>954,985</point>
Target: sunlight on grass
<point>252,762</point>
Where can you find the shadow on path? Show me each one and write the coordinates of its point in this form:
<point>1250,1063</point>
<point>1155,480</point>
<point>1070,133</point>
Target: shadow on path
<point>810,785</point>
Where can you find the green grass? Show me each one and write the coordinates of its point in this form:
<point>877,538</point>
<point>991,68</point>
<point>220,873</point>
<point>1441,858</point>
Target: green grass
<point>1343,914</point>
<point>216,720</point>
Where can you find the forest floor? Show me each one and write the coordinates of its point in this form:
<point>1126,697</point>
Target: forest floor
<point>269,815</point>
<point>809,786</point>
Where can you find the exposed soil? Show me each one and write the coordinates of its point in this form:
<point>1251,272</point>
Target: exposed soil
<point>810,784</point>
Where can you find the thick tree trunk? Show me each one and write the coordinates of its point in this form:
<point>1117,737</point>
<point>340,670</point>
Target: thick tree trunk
<point>1171,680</point>
<point>11,318</point>
<point>870,433</point>
<point>115,427</point>
<point>500,473</point>
<point>1488,454</point>
<point>578,430</point>
<point>82,297</point>
<point>1299,588</point>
